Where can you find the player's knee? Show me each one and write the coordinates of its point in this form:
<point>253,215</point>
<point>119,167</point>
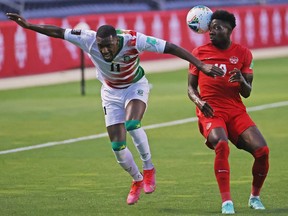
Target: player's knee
<point>222,148</point>
<point>261,164</point>
<point>118,146</point>
<point>132,125</point>
<point>261,152</point>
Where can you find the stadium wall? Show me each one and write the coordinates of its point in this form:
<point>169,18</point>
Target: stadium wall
<point>24,52</point>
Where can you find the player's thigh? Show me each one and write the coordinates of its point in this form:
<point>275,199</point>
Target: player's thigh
<point>217,134</point>
<point>113,105</point>
<point>251,139</point>
<point>135,110</point>
<point>136,99</point>
<point>244,133</point>
<point>238,122</point>
<point>213,129</point>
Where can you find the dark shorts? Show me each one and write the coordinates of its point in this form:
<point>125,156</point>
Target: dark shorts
<point>234,122</point>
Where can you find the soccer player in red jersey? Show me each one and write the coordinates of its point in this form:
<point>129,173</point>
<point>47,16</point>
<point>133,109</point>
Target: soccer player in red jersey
<point>221,113</point>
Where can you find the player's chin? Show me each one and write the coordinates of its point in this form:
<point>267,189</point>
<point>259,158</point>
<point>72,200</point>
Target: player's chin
<point>212,38</point>
<point>107,58</point>
<point>214,41</point>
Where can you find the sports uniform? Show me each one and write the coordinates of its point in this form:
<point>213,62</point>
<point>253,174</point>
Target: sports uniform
<point>221,113</point>
<point>123,79</point>
<point>229,110</point>
<point>229,114</point>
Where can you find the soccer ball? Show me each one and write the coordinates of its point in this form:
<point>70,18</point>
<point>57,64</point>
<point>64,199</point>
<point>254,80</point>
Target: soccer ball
<point>198,19</point>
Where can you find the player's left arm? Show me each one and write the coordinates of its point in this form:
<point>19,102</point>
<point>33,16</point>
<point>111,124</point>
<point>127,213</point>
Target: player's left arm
<point>244,75</point>
<point>244,79</point>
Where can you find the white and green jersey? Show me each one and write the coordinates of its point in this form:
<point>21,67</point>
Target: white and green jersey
<point>124,69</point>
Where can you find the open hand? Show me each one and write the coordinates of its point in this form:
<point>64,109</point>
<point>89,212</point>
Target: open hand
<point>18,19</point>
<point>236,76</point>
<point>205,108</point>
<point>211,70</point>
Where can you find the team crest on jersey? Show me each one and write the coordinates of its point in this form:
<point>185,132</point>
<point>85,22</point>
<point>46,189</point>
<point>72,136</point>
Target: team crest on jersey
<point>126,59</point>
<point>234,60</point>
<point>140,92</point>
<point>76,31</point>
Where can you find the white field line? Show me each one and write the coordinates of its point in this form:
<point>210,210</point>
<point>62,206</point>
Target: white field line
<point>73,75</point>
<point>153,126</point>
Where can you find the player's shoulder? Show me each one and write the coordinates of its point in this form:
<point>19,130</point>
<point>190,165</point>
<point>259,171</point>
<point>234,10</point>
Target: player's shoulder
<point>202,48</point>
<point>129,37</point>
<point>126,33</point>
<point>240,47</point>
<point>81,32</point>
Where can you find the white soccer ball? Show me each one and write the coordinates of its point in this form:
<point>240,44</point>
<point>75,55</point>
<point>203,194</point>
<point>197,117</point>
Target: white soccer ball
<point>198,19</point>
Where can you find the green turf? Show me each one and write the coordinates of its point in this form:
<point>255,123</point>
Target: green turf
<point>83,178</point>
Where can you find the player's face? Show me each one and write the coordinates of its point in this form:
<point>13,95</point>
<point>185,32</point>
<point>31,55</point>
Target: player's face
<point>108,47</point>
<point>220,32</point>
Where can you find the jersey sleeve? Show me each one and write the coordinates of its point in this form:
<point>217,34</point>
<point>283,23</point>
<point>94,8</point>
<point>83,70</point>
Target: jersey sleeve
<point>248,63</point>
<point>149,43</point>
<point>192,69</point>
<point>81,38</point>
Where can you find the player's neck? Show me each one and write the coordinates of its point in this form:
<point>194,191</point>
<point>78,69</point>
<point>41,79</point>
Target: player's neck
<point>224,45</point>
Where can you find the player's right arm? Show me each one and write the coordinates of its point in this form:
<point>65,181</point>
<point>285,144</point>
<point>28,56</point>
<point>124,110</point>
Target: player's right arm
<point>153,44</point>
<point>194,96</point>
<point>49,30</point>
<point>208,69</point>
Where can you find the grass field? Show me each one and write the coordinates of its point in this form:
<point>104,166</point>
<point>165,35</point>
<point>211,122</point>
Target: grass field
<point>83,178</point>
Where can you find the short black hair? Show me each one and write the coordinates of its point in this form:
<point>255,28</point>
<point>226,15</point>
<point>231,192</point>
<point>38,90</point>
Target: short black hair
<point>225,16</point>
<point>106,31</point>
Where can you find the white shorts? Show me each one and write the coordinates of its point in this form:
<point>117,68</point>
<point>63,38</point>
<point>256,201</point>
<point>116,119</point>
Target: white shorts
<point>114,101</point>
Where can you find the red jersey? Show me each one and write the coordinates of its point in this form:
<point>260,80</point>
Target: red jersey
<point>218,92</point>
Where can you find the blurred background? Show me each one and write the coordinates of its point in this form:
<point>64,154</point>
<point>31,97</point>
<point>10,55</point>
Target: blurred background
<point>65,8</point>
<point>260,24</point>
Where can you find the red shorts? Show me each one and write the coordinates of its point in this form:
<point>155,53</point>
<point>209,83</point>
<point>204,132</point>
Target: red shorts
<point>234,122</point>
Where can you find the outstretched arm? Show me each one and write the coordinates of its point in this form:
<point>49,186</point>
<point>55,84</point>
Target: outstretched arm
<point>49,30</point>
<point>208,69</point>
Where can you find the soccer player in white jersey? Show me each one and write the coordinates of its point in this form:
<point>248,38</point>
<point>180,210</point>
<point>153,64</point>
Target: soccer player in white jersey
<point>125,88</point>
